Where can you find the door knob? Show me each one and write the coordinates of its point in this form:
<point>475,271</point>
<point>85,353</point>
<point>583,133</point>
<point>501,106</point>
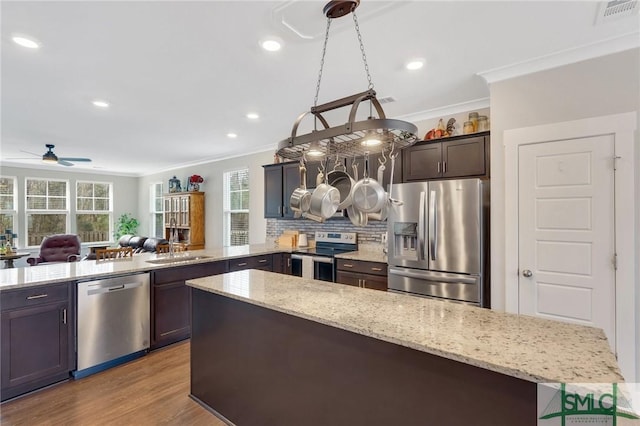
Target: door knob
<point>527,273</point>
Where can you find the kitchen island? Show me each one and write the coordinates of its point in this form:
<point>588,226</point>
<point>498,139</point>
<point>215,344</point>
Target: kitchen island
<point>274,349</point>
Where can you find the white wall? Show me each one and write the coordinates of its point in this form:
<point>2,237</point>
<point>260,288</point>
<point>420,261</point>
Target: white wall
<point>597,87</point>
<point>213,174</point>
<point>125,192</point>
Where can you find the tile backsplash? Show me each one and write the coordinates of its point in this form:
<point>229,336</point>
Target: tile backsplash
<point>370,234</point>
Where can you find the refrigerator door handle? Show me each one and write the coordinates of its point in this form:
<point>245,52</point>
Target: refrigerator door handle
<point>433,225</point>
<point>421,227</point>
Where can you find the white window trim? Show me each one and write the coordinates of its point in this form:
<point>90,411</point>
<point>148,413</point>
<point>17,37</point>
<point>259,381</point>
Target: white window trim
<point>14,212</point>
<point>28,211</point>
<point>226,234</point>
<point>152,206</point>
<point>109,212</point>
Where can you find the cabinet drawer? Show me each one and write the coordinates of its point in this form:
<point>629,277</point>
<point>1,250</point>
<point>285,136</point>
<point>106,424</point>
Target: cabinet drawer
<point>374,282</point>
<point>34,296</point>
<point>373,268</point>
<point>254,262</point>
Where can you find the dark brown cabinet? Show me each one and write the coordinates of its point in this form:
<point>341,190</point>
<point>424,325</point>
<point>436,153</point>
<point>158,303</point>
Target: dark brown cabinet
<point>455,157</point>
<point>263,263</point>
<point>171,304</point>
<point>280,180</point>
<point>37,337</point>
<point>372,275</point>
<point>282,263</point>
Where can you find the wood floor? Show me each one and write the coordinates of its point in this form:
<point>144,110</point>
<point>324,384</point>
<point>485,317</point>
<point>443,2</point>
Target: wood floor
<point>152,390</point>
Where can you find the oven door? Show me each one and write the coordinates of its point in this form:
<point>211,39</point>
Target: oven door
<point>314,267</point>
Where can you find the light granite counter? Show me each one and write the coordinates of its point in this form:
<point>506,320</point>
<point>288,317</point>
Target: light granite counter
<point>533,349</point>
<point>93,269</point>
<point>367,253</point>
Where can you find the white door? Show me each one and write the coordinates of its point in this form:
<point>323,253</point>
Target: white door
<point>566,231</point>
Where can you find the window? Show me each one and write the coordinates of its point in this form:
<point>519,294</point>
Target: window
<point>8,204</point>
<point>156,209</point>
<point>47,209</point>
<point>236,208</point>
<point>93,211</point>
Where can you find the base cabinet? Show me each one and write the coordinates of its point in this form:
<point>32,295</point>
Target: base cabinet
<point>282,263</point>
<point>263,263</point>
<point>37,338</point>
<point>171,304</point>
<point>372,275</point>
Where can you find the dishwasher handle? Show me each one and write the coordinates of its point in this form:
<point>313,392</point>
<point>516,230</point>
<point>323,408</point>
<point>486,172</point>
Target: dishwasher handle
<point>113,289</point>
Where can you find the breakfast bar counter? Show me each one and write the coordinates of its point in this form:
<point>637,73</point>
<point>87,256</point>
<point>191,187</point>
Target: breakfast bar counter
<point>268,346</point>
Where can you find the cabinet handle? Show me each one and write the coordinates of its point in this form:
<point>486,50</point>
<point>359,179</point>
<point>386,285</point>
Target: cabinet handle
<point>376,269</point>
<point>279,209</point>
<point>242,264</point>
<point>64,316</point>
<point>438,167</point>
<point>444,167</point>
<point>262,261</point>
<point>364,283</point>
<point>288,262</point>
<point>37,296</point>
<point>347,265</point>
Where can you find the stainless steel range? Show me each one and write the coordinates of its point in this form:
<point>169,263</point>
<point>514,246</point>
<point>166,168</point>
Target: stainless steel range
<point>318,262</point>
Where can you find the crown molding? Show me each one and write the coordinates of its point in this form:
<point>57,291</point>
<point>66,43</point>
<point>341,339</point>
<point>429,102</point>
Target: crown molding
<point>446,110</point>
<point>563,57</point>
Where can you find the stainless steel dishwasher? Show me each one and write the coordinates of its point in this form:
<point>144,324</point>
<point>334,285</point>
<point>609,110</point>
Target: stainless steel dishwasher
<point>113,322</point>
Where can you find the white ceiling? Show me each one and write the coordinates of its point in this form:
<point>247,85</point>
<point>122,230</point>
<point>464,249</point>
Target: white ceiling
<point>181,75</point>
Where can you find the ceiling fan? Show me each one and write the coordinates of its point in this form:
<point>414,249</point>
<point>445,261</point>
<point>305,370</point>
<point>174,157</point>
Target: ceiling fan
<point>51,157</point>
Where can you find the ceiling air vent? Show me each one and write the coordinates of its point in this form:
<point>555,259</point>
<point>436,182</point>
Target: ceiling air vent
<point>386,100</point>
<point>613,10</point>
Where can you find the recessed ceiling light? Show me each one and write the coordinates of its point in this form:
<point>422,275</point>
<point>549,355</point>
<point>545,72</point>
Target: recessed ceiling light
<point>100,103</point>
<point>25,42</point>
<point>415,64</point>
<point>252,116</point>
<point>271,44</point>
<point>232,135</point>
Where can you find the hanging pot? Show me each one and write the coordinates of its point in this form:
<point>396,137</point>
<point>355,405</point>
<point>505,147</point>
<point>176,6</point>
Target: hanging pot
<point>356,217</point>
<point>367,194</point>
<point>341,180</point>
<point>324,201</point>
<point>382,214</point>
<point>300,200</point>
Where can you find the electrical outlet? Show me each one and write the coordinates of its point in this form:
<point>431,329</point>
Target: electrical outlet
<point>383,238</point>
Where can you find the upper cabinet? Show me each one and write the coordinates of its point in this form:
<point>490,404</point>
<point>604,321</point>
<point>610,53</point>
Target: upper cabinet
<point>280,180</point>
<point>185,212</point>
<point>455,157</point>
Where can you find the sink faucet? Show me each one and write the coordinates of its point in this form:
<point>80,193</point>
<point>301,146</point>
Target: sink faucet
<point>173,234</point>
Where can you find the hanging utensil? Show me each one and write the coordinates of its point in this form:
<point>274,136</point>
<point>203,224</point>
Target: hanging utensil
<point>300,200</point>
<point>382,214</point>
<point>324,200</point>
<point>367,194</point>
<point>356,217</point>
<point>340,179</point>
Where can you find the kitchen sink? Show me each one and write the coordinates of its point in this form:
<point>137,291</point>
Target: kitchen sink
<point>177,259</point>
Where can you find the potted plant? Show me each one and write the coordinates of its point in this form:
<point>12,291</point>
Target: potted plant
<point>126,224</point>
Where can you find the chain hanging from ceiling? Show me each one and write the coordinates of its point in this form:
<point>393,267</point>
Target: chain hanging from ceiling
<point>353,138</point>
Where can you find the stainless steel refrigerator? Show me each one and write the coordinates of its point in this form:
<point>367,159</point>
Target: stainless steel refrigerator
<point>437,240</point>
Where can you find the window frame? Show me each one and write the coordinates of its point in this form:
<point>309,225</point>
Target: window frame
<point>227,211</point>
<point>78,211</point>
<point>28,211</point>
<point>13,212</point>
<point>153,197</point>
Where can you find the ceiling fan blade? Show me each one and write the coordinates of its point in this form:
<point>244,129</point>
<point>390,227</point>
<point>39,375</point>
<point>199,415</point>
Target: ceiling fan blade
<point>32,153</point>
<point>23,158</point>
<point>73,159</point>
<point>62,162</point>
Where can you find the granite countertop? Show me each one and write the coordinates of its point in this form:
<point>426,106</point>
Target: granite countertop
<point>366,252</point>
<point>92,269</point>
<point>528,348</point>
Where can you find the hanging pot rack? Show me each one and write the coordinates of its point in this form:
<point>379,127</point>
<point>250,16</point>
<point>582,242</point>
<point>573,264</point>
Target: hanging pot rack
<point>350,139</point>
